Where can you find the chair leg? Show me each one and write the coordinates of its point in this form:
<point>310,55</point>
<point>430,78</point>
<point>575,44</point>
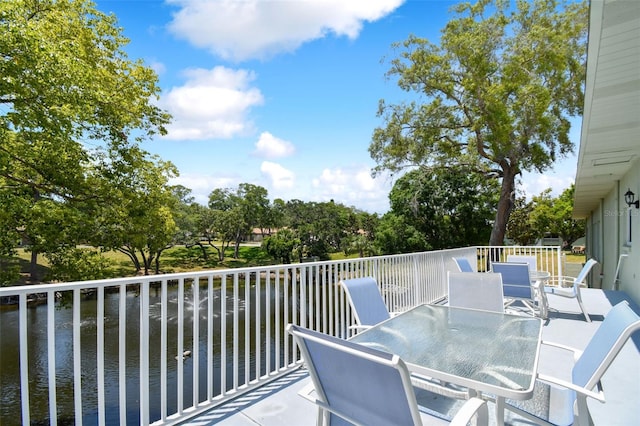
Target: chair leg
<point>584,418</point>
<point>500,407</point>
<point>584,311</point>
<point>323,417</point>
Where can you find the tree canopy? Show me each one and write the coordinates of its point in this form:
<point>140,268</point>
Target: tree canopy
<point>543,215</point>
<point>451,209</point>
<point>73,108</point>
<point>496,95</point>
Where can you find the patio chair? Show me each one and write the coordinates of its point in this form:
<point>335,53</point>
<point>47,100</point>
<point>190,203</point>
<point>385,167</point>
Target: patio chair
<point>570,286</point>
<point>369,309</point>
<point>516,284</point>
<point>532,261</point>
<point>554,398</point>
<point>616,280</point>
<point>366,302</point>
<point>463,264</point>
<point>355,384</point>
<point>476,290</point>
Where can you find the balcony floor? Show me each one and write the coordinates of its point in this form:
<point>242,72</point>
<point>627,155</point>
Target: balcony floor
<point>279,403</point>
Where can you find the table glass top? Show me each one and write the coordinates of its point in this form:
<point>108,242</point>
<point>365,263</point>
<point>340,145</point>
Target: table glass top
<point>486,347</point>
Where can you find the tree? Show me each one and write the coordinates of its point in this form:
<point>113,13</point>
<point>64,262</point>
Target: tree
<point>543,215</point>
<point>69,96</point>
<point>185,216</point>
<point>138,219</point>
<point>281,246</point>
<point>566,226</point>
<point>519,228</point>
<point>211,225</point>
<point>321,227</point>
<point>394,236</point>
<point>254,206</point>
<point>451,209</point>
<point>498,91</point>
<point>237,213</point>
<point>554,216</point>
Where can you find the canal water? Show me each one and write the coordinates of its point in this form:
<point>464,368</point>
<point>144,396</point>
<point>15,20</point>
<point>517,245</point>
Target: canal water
<point>37,354</point>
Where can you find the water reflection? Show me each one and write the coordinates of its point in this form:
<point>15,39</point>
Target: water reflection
<point>37,354</point>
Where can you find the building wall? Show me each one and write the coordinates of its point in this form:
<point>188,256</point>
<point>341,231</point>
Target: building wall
<point>608,234</point>
<point>630,272</point>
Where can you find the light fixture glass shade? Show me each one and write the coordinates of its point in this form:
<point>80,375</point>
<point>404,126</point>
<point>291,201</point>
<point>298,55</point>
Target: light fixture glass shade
<point>629,197</point>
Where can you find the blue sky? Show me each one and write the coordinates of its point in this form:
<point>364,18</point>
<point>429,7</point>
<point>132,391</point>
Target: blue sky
<point>282,94</point>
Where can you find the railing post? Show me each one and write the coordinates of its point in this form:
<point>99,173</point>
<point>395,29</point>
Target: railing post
<point>144,353</point>
<point>77,370</point>
<point>51,349</point>
<point>24,360</point>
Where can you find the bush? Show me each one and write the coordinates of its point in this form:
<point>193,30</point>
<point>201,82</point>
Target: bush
<point>74,264</point>
<point>9,271</point>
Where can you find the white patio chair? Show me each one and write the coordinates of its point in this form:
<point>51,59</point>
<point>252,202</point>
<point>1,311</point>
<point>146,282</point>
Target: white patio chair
<point>570,286</point>
<point>532,261</point>
<point>369,309</point>
<point>476,290</point>
<point>616,280</point>
<point>516,284</point>
<point>366,302</point>
<point>463,264</point>
<point>355,384</point>
<point>554,398</point>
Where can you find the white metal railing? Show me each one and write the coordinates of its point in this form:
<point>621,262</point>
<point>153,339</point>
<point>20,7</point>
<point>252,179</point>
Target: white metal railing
<point>154,350</point>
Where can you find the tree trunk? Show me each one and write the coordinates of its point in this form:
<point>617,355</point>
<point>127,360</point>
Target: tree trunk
<point>131,254</point>
<point>205,254</point>
<point>157,262</point>
<point>33,267</point>
<point>236,248</point>
<point>505,206</point>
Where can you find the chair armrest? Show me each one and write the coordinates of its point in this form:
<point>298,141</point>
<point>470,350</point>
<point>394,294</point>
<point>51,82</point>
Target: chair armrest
<point>359,327</point>
<point>565,384</point>
<point>559,280</point>
<point>473,407</point>
<point>308,392</point>
<point>576,352</point>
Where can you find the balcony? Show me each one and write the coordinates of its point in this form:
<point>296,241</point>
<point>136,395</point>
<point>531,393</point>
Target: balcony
<point>153,350</point>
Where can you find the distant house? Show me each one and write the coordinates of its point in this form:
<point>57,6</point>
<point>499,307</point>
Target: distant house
<point>257,234</point>
<point>578,246</point>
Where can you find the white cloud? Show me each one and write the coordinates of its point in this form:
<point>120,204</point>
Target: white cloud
<point>534,184</point>
<point>243,29</point>
<point>354,187</point>
<point>269,146</point>
<point>211,104</point>
<point>158,67</point>
<point>202,185</point>
<point>559,178</point>
<point>279,177</point>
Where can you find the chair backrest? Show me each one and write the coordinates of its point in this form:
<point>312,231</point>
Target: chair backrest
<point>357,383</point>
<point>365,300</point>
<point>515,279</point>
<point>463,264</point>
<point>618,326</point>
<point>476,290</point>
<point>582,276</point>
<point>532,261</point>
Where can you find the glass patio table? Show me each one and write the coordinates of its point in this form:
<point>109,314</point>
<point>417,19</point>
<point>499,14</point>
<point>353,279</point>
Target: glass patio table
<point>486,352</point>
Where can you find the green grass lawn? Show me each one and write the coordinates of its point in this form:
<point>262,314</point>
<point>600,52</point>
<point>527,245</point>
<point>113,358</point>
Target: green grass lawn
<point>174,259</point>
<point>186,259</point>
